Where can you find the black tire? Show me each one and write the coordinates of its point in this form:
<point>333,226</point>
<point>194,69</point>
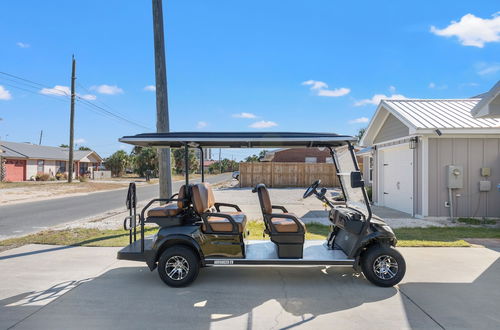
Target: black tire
<point>183,266</point>
<point>392,262</point>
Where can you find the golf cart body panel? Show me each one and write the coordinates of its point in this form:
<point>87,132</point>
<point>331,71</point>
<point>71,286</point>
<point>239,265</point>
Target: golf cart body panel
<point>197,232</point>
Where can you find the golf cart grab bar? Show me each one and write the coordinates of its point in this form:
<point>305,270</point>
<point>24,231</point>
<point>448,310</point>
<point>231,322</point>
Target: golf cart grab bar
<point>205,216</point>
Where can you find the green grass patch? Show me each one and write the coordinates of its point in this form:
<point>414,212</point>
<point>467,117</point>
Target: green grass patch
<point>408,237</point>
<point>473,221</point>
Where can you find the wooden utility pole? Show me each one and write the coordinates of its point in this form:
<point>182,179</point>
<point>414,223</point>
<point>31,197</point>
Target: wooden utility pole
<point>162,120</point>
<point>41,135</point>
<point>72,121</point>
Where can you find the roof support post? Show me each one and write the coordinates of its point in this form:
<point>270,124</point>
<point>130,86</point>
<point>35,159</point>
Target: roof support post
<point>186,167</point>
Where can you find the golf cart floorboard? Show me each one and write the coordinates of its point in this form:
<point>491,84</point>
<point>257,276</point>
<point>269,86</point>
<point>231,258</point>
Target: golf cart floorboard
<point>265,253</point>
<point>133,251</point>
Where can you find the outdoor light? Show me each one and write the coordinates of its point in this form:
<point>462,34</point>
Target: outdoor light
<point>438,132</point>
<point>413,142</point>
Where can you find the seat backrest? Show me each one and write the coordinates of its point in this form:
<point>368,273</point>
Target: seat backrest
<point>203,197</point>
<point>182,194</point>
<point>264,199</point>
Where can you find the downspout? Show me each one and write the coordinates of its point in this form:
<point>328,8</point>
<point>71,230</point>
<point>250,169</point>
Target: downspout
<point>450,197</point>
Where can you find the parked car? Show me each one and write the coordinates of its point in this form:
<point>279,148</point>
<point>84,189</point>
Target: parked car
<point>236,175</point>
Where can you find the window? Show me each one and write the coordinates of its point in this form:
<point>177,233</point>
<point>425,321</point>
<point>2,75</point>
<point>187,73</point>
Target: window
<point>60,166</point>
<point>40,165</point>
<point>329,160</point>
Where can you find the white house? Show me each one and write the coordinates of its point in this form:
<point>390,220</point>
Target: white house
<point>434,157</point>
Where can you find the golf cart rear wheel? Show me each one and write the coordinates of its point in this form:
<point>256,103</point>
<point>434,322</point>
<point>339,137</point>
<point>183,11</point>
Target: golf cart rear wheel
<point>178,266</point>
<point>383,265</point>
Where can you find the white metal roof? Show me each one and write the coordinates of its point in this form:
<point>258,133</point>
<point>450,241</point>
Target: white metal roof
<point>434,114</point>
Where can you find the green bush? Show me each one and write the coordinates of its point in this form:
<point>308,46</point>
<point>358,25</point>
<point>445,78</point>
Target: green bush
<point>369,191</point>
<point>83,178</point>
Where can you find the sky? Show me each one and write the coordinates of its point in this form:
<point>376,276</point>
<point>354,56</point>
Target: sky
<point>317,66</point>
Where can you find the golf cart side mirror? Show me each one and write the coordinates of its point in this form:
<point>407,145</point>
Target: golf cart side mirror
<point>357,180</point>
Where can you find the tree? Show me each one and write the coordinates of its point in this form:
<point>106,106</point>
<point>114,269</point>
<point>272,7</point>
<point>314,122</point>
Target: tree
<point>64,146</point>
<point>360,133</point>
<point>179,160</point>
<point>84,148</point>
<point>253,158</point>
<point>117,162</point>
<point>227,166</point>
<point>145,159</point>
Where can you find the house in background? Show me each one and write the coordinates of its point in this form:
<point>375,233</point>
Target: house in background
<point>23,161</point>
<point>433,158</point>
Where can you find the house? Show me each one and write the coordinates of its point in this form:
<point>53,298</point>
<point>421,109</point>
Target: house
<point>433,158</point>
<point>23,161</point>
<point>298,155</point>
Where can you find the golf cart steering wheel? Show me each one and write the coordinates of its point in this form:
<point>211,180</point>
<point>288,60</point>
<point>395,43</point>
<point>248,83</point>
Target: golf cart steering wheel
<point>311,189</point>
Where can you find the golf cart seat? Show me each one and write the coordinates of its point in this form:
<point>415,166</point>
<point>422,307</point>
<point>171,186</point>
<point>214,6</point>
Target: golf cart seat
<point>171,209</point>
<point>215,221</point>
<point>285,229</point>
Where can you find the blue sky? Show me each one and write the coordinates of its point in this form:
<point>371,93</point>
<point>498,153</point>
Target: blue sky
<point>289,66</point>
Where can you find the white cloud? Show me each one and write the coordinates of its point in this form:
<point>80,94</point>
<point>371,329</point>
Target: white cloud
<point>486,69</point>
<point>392,89</point>
<point>432,85</point>
<point>359,120</point>
<point>320,88</point>
<point>107,89</point>
<point>263,124</point>
<point>201,124</point>
<point>472,30</point>
<point>246,115</point>
<point>57,90</point>
<point>80,141</point>
<point>334,92</point>
<point>150,88</point>
<point>23,45</point>
<point>315,84</point>
<point>88,97</point>
<point>379,97</point>
<point>4,94</point>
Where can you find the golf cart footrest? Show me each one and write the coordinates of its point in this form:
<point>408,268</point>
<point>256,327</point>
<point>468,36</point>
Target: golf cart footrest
<point>133,251</point>
<point>293,251</point>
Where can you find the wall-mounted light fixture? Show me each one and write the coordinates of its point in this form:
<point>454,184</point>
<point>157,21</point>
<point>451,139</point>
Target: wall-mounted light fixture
<point>438,132</point>
<point>413,142</point>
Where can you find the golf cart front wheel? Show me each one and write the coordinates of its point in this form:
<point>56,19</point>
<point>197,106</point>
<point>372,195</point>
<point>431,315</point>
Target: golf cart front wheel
<point>178,266</point>
<point>383,265</point>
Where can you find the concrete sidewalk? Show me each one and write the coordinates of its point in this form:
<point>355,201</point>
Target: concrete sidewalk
<point>52,287</point>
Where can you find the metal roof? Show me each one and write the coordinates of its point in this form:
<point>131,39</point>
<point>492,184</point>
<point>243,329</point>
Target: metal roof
<point>238,139</point>
<point>434,114</point>
<point>34,151</point>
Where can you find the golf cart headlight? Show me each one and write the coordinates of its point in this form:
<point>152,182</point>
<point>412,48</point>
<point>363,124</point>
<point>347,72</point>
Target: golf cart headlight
<point>387,228</point>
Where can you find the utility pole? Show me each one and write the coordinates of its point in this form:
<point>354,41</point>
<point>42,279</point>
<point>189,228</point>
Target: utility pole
<point>72,121</point>
<point>220,163</point>
<point>162,120</point>
<point>41,135</point>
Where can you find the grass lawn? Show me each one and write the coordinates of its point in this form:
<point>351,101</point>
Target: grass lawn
<point>409,237</point>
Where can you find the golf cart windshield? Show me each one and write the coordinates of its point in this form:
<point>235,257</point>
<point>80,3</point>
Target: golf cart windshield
<point>345,161</point>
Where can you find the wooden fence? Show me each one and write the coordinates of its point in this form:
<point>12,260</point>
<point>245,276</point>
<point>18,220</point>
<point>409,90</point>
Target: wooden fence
<point>287,174</point>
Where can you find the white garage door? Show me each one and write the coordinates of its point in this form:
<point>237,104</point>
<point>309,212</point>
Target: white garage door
<point>397,178</point>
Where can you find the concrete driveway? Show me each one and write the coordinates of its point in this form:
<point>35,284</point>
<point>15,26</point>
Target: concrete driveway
<point>50,287</point>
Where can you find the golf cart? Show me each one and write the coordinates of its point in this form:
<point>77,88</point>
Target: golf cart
<point>194,230</point>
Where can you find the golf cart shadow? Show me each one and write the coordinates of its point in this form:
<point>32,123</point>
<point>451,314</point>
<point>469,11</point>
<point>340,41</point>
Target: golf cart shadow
<point>252,297</point>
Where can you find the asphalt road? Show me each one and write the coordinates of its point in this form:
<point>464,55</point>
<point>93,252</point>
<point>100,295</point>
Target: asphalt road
<point>25,218</point>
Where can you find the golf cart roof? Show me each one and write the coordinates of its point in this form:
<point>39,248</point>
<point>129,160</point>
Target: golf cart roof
<point>238,139</point>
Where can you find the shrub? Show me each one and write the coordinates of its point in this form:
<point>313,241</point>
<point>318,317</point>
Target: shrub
<point>61,176</point>
<point>369,192</point>
<point>42,177</point>
<point>83,178</point>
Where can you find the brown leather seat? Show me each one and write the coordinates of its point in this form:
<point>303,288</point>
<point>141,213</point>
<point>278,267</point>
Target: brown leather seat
<point>281,222</point>
<point>204,202</point>
<point>171,209</point>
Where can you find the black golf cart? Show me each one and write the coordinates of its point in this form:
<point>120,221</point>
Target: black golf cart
<point>194,230</point>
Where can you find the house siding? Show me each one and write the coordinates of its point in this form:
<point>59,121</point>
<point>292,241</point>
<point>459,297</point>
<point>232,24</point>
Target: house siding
<point>392,129</point>
<point>472,154</point>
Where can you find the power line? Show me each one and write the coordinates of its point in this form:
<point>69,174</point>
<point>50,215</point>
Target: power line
<point>65,100</point>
